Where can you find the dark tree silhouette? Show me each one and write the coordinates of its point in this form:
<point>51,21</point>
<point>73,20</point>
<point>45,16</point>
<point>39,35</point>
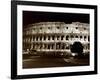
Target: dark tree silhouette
<point>77,47</point>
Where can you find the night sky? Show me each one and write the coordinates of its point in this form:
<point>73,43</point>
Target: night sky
<point>30,17</point>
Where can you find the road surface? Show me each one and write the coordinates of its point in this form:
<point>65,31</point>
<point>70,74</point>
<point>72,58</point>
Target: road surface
<point>43,62</point>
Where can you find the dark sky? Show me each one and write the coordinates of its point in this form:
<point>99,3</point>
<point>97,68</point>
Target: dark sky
<point>30,17</point>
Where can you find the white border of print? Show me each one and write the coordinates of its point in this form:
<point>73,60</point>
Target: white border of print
<point>22,71</point>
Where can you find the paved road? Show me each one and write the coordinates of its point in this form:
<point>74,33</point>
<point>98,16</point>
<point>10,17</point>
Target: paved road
<point>42,62</point>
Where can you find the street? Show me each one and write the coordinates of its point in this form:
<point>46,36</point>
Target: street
<point>43,62</point>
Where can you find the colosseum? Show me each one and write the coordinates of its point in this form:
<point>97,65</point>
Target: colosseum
<point>55,38</point>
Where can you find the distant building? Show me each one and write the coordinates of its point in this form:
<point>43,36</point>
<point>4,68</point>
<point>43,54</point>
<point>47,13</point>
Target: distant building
<point>55,38</point>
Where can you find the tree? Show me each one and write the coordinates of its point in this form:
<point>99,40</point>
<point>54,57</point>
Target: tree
<point>77,47</point>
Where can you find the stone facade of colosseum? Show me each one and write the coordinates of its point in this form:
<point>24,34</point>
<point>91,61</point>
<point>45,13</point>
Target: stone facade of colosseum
<point>55,38</point>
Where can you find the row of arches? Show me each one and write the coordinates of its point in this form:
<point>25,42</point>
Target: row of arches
<point>56,37</point>
<point>52,46</point>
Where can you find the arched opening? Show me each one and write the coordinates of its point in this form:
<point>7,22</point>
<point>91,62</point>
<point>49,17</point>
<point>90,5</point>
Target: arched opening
<point>77,47</point>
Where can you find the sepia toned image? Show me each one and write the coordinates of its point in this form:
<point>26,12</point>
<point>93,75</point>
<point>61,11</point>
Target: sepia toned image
<point>53,39</point>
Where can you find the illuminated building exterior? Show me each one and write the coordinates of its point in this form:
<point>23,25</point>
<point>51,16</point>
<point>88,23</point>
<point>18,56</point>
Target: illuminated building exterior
<point>55,38</point>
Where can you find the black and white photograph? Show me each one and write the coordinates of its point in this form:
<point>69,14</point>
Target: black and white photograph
<point>53,39</point>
